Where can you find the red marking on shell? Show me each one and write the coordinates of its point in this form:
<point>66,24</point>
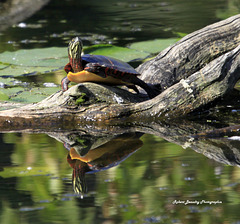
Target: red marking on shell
<point>110,61</point>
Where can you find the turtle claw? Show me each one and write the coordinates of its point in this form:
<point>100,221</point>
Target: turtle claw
<point>133,87</point>
<point>64,83</point>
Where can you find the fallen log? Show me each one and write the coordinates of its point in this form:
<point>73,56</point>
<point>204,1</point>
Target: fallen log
<point>195,71</point>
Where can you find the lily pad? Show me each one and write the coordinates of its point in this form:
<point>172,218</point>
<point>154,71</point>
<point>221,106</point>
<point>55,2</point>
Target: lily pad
<point>121,53</point>
<point>2,65</point>
<point>153,46</point>
<point>4,82</point>
<point>53,56</point>
<point>32,61</point>
<point>28,95</point>
<point>16,70</point>
<point>3,96</point>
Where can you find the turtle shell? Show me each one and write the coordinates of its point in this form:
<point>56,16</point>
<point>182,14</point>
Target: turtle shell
<point>105,66</point>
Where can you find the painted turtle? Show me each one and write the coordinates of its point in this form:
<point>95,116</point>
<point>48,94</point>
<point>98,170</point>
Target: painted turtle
<point>100,156</point>
<point>100,69</point>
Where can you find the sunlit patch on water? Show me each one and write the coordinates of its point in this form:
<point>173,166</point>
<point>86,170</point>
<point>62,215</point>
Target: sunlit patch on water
<point>30,209</point>
<point>235,138</point>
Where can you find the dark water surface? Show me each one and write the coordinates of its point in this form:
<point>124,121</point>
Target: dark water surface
<point>144,178</point>
<point>119,22</point>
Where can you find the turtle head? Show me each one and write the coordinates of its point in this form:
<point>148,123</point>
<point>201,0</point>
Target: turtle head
<point>74,54</point>
<point>78,177</point>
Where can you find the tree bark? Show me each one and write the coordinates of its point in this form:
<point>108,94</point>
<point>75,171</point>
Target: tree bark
<point>195,71</point>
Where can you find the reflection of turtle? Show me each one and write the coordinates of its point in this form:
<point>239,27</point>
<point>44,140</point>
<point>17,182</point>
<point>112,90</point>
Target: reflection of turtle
<point>103,157</point>
<point>100,69</point>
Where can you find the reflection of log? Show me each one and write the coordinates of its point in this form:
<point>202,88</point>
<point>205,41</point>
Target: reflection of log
<point>224,150</point>
<point>209,142</point>
<point>221,149</point>
<point>208,68</point>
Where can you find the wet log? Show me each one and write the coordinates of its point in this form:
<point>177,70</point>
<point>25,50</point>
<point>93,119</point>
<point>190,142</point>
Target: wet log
<point>195,71</point>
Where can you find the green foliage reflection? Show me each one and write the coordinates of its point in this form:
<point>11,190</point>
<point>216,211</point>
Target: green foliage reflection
<point>36,184</point>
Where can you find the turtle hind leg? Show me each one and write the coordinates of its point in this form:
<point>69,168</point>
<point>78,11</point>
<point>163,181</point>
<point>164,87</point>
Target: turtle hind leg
<point>151,90</point>
<point>155,89</point>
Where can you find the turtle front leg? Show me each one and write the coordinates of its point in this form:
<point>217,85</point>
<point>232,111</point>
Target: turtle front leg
<point>68,68</point>
<point>64,83</point>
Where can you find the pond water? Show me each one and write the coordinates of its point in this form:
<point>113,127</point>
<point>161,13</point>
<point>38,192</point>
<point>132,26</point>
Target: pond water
<point>154,181</point>
<point>127,178</point>
<point>118,22</point>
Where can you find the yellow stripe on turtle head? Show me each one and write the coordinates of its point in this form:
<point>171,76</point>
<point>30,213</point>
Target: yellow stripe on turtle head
<point>75,47</point>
